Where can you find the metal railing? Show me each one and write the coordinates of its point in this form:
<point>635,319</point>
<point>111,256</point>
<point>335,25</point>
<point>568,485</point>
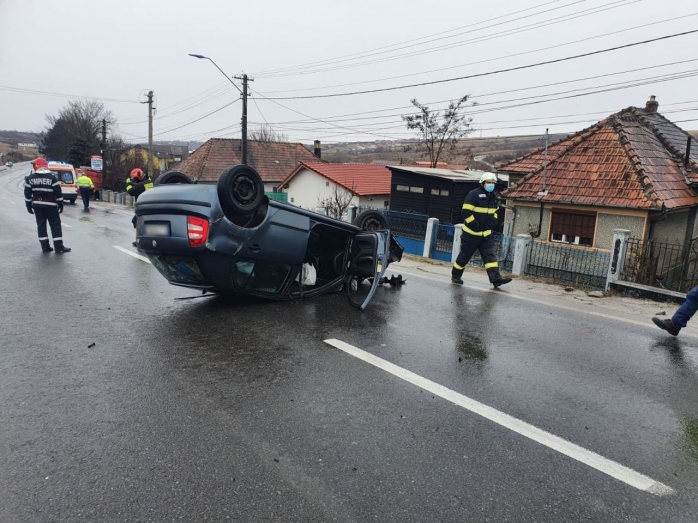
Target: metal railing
<point>406,224</point>
<point>574,265</point>
<point>669,266</point>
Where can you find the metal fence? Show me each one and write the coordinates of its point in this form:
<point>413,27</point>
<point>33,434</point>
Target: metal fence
<point>405,224</point>
<point>444,237</point>
<point>566,264</point>
<point>670,266</point>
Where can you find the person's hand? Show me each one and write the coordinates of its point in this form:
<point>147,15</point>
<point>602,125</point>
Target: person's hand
<point>60,207</point>
<point>30,209</point>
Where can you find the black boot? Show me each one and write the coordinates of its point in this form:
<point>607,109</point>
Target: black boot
<point>456,278</point>
<point>45,246</point>
<point>60,247</point>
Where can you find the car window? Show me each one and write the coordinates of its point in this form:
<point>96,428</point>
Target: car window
<point>260,276</point>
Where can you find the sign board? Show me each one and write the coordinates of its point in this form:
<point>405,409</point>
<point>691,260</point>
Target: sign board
<point>96,163</point>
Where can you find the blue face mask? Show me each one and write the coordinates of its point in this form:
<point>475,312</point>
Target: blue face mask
<point>489,187</point>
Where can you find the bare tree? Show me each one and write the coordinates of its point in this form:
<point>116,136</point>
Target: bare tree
<point>265,133</point>
<point>78,122</point>
<point>337,203</point>
<point>439,134</point>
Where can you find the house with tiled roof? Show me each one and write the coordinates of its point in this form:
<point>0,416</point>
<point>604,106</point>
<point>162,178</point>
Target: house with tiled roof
<point>272,160</point>
<point>633,170</point>
<point>361,185</point>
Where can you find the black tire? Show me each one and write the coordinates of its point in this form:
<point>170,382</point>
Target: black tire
<point>172,177</point>
<point>240,191</point>
<point>371,221</point>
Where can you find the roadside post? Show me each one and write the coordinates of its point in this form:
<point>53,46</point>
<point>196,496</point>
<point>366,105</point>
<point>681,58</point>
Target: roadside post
<point>618,250</point>
<point>430,238</point>
<point>522,246</point>
<point>457,233</point>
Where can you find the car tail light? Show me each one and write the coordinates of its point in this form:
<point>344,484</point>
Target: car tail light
<point>197,230</point>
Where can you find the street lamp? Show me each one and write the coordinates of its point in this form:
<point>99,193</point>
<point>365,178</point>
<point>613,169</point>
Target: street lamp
<point>244,102</point>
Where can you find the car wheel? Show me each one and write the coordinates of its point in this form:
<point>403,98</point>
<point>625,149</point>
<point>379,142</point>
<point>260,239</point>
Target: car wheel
<point>371,221</point>
<point>172,177</point>
<point>240,191</point>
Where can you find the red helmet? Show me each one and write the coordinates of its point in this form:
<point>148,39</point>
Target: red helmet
<point>137,174</point>
<point>39,163</point>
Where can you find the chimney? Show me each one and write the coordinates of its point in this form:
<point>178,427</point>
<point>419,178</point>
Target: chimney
<point>318,149</point>
<point>687,159</point>
<point>652,105</point>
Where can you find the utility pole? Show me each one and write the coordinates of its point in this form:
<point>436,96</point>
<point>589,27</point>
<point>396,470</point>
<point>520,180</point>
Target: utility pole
<point>544,192</point>
<point>244,79</point>
<point>103,152</point>
<point>151,171</point>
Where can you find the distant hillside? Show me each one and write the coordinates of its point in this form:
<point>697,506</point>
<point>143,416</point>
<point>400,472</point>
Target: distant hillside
<point>480,153</point>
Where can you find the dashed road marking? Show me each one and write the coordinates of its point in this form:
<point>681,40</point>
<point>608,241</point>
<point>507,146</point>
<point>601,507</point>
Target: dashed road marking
<point>592,459</point>
<point>130,253</point>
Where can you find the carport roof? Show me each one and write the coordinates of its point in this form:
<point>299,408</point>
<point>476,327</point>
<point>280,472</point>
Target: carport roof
<point>456,175</point>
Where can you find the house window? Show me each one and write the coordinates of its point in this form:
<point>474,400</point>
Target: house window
<point>405,188</point>
<point>327,184</point>
<point>408,188</point>
<point>437,192</point>
<point>575,228</point>
<point>419,190</point>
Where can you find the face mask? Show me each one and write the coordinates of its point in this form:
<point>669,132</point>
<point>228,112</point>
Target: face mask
<point>489,187</point>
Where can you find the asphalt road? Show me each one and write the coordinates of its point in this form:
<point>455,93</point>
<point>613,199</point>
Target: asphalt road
<point>122,400</point>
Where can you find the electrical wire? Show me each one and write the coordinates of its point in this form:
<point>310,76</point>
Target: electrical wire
<point>64,95</point>
<point>489,73</point>
<point>396,47</point>
<point>412,74</point>
<point>509,32</point>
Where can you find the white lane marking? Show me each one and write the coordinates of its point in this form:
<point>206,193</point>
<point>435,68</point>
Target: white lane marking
<point>142,258</point>
<point>534,300</point>
<point>66,225</point>
<point>596,461</point>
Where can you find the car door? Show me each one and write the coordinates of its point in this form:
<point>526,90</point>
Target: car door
<point>367,263</point>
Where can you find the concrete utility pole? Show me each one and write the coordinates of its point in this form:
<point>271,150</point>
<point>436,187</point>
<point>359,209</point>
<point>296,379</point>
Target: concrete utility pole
<point>103,152</point>
<point>244,79</point>
<point>151,170</point>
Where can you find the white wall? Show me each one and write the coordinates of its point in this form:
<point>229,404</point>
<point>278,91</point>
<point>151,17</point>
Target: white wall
<point>307,187</point>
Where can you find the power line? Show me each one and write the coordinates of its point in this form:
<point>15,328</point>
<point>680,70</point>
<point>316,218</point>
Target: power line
<point>396,47</point>
<point>483,95</point>
<point>489,73</point>
<point>412,74</point>
<point>198,119</point>
<point>508,32</point>
<point>64,95</point>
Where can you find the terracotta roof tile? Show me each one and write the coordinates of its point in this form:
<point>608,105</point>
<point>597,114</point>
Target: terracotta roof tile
<point>272,160</point>
<point>631,159</point>
<point>360,179</point>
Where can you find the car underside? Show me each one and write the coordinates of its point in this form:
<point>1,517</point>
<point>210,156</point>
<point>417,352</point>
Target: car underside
<point>231,239</point>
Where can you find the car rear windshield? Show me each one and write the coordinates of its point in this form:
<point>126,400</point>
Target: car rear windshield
<point>260,276</point>
<point>63,176</point>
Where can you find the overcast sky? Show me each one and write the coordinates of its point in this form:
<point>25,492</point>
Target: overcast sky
<point>52,50</point>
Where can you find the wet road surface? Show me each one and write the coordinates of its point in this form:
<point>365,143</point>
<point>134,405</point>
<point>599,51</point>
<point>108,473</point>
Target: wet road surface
<point>208,409</point>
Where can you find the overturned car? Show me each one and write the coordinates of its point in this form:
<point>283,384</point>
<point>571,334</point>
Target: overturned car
<point>230,238</point>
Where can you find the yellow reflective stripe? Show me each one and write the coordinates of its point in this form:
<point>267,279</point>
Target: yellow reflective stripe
<point>148,186</point>
<point>474,233</point>
<point>491,265</point>
<point>458,267</point>
<point>481,210</point>
<point>470,219</point>
<point>495,216</point>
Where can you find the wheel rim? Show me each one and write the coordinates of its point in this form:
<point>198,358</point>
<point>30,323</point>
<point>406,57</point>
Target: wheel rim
<point>372,224</point>
<point>244,190</point>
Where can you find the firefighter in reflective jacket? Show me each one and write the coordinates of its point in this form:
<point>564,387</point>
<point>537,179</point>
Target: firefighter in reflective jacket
<point>44,199</point>
<point>479,218</point>
<point>136,184</point>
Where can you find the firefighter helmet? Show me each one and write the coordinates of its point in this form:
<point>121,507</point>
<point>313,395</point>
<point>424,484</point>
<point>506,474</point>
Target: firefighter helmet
<point>137,174</point>
<point>39,163</point>
<point>488,177</point>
